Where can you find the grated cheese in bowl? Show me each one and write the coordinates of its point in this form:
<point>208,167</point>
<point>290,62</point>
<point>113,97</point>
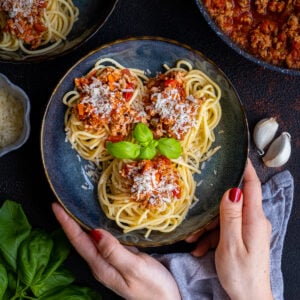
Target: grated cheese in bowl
<point>14,116</point>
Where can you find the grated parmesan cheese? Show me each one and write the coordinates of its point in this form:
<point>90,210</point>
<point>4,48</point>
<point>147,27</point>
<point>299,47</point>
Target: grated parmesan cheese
<point>99,96</point>
<point>23,7</point>
<point>147,183</point>
<point>11,118</point>
<point>154,183</point>
<point>168,104</point>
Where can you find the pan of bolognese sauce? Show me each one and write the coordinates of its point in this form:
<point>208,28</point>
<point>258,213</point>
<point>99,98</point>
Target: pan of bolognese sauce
<point>266,32</point>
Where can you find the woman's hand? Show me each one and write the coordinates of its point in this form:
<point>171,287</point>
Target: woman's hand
<point>242,237</point>
<point>126,271</point>
<point>243,253</point>
<point>207,238</point>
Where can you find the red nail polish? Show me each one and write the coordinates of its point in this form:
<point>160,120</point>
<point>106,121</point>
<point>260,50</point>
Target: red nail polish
<point>235,194</point>
<point>96,235</point>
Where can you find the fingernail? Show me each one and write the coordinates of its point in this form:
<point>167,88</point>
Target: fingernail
<point>235,194</point>
<point>96,235</point>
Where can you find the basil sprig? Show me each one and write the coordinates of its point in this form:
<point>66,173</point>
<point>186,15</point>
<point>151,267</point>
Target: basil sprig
<point>146,146</point>
<point>31,261</point>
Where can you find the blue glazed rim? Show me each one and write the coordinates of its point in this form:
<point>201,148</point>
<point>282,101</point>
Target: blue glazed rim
<point>237,48</point>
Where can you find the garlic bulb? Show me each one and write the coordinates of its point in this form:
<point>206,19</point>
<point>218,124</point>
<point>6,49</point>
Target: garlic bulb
<point>279,151</point>
<point>264,132</point>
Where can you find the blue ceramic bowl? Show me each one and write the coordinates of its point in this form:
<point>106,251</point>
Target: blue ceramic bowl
<point>67,173</point>
<point>92,16</point>
<point>17,93</point>
<point>237,48</point>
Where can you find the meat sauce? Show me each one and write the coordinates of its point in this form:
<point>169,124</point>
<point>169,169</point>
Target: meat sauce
<point>171,111</point>
<point>268,29</point>
<point>152,182</point>
<point>25,20</point>
<point>105,101</point>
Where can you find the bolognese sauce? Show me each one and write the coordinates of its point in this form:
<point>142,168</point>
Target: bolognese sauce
<point>24,20</point>
<point>170,111</point>
<point>268,29</point>
<point>105,101</point>
<point>152,182</point>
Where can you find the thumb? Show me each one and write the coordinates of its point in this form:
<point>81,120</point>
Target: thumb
<point>113,252</point>
<point>231,216</point>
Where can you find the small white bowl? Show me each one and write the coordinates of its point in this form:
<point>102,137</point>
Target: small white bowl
<point>21,96</point>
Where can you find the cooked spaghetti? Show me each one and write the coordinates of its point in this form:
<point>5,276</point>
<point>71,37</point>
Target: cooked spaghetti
<point>35,26</point>
<point>148,194</point>
<point>104,106</point>
<point>182,103</point>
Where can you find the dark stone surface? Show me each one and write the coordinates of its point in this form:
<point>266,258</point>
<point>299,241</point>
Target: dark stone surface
<point>264,93</point>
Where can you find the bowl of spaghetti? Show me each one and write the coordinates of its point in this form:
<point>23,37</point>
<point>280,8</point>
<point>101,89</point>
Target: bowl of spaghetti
<point>36,30</point>
<point>265,32</point>
<point>144,132</point>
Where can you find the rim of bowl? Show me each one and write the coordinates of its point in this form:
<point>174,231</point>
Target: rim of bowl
<point>237,48</point>
<point>23,97</point>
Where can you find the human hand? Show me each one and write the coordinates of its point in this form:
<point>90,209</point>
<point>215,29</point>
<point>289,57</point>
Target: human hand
<point>125,270</point>
<point>243,253</point>
<point>207,238</point>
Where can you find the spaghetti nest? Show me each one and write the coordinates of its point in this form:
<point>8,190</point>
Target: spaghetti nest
<point>104,106</point>
<point>35,26</point>
<point>148,194</point>
<point>182,103</point>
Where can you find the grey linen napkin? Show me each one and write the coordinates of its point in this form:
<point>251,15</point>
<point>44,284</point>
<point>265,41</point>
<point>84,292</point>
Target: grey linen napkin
<point>197,278</point>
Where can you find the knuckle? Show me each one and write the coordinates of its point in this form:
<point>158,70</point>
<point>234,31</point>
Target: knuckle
<point>229,251</point>
<point>265,222</point>
<point>97,276</point>
<point>268,226</point>
<point>231,214</point>
<point>108,251</point>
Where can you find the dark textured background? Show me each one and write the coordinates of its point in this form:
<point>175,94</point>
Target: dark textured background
<point>264,93</point>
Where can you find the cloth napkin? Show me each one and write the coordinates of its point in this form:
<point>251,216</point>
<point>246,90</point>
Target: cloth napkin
<point>197,278</point>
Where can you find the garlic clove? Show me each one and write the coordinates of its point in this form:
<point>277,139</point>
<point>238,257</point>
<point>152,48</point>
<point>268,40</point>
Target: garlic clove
<point>264,132</point>
<point>279,151</point>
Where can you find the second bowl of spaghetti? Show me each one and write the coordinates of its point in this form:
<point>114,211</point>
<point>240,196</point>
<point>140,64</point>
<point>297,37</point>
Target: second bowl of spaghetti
<point>145,140</point>
<point>37,30</point>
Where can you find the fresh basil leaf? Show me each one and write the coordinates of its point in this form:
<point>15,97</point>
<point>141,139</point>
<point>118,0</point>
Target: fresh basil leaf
<point>169,147</point>
<point>147,153</point>
<point>14,289</point>
<point>12,281</point>
<point>8,295</point>
<point>3,262</point>
<point>59,278</point>
<point>33,256</point>
<point>153,144</point>
<point>123,149</point>
<point>142,133</point>
<point>59,253</point>
<point>14,228</point>
<point>71,292</point>
<point>3,280</point>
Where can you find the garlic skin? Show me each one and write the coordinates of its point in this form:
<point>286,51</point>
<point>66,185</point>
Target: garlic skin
<point>279,151</point>
<point>264,132</point>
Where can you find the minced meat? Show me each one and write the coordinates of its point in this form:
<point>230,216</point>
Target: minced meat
<point>268,29</point>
